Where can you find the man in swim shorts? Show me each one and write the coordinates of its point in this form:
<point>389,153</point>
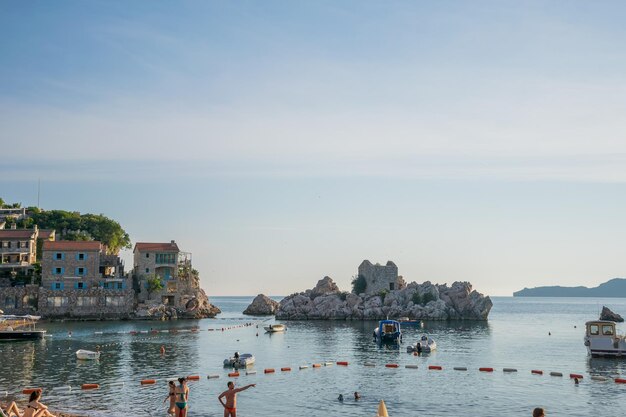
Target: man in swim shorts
<point>230,407</point>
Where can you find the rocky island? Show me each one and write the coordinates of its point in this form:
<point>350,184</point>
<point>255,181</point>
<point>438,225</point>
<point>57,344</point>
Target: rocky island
<point>385,295</point>
<point>262,305</point>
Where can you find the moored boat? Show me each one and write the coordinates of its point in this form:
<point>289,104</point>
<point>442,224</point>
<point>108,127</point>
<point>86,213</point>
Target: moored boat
<point>19,328</point>
<point>425,344</point>
<point>273,328</point>
<point>240,361</point>
<point>87,354</point>
<point>388,331</point>
<point>602,339</point>
<point>405,321</point>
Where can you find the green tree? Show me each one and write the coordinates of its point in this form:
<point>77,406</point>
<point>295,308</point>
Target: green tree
<point>154,284</point>
<point>359,284</point>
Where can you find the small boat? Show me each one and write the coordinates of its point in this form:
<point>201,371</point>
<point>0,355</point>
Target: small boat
<point>388,331</point>
<point>240,361</point>
<point>425,344</point>
<point>19,328</point>
<point>87,355</point>
<point>405,321</point>
<point>273,328</point>
<point>601,339</point>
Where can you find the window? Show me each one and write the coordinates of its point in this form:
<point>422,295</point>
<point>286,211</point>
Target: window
<point>57,285</point>
<point>58,256</point>
<point>114,301</point>
<point>57,271</point>
<point>147,255</point>
<point>120,285</point>
<point>86,301</point>
<point>391,286</point>
<point>607,330</point>
<point>22,244</point>
<point>81,257</point>
<point>10,302</point>
<point>6,244</point>
<point>147,270</point>
<point>81,271</point>
<point>80,286</point>
<point>57,301</point>
<point>594,329</point>
<point>165,258</point>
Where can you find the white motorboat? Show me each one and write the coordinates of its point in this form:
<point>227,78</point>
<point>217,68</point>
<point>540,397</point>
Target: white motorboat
<point>240,361</point>
<point>87,354</point>
<point>19,328</point>
<point>273,328</point>
<point>425,344</point>
<point>601,339</point>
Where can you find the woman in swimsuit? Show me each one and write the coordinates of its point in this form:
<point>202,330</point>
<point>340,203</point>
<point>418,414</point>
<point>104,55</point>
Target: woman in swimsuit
<point>182,395</point>
<point>33,409</point>
<point>172,397</point>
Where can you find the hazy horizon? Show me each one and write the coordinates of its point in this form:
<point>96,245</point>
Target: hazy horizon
<point>280,142</point>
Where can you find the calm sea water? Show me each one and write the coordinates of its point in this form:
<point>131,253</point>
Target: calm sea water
<point>516,336</point>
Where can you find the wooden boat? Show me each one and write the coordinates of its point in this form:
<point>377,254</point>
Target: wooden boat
<point>388,331</point>
<point>273,328</point>
<point>601,339</point>
<point>19,328</point>
<point>87,354</point>
<point>244,360</point>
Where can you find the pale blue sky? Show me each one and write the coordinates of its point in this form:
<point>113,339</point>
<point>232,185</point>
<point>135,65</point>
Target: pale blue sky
<point>284,141</point>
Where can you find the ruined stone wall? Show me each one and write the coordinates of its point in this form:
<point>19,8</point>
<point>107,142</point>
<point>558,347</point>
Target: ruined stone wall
<point>19,300</point>
<point>89,303</point>
<point>380,277</point>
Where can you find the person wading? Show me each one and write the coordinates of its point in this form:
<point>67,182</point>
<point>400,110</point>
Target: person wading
<point>230,407</point>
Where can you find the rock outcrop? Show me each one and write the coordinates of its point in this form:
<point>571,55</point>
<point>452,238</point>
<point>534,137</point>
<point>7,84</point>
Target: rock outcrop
<point>262,305</point>
<point>196,307</point>
<point>417,301</point>
<point>607,314</point>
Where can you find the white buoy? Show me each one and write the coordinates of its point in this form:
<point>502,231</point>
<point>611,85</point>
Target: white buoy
<point>509,370</point>
<point>411,366</point>
<point>599,378</point>
<point>460,368</point>
<point>328,364</point>
<point>556,374</point>
<point>370,364</point>
<point>304,366</point>
<point>250,372</point>
<point>212,376</point>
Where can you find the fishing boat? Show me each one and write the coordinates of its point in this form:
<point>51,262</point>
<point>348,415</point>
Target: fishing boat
<point>240,361</point>
<point>405,321</point>
<point>273,328</point>
<point>388,331</point>
<point>601,339</point>
<point>19,328</point>
<point>87,355</point>
<point>425,344</point>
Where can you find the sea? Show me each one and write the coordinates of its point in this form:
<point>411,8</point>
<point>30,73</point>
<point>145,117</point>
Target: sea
<point>522,333</point>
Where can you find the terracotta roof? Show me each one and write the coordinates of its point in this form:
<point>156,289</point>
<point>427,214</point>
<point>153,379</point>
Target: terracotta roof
<point>16,233</point>
<point>162,247</point>
<point>46,233</point>
<point>72,245</point>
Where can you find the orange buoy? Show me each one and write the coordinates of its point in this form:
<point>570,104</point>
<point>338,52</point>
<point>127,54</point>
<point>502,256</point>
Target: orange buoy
<point>29,391</point>
<point>148,381</point>
<point>536,372</point>
<point>579,376</point>
<point>269,370</point>
<point>485,369</point>
<point>391,365</point>
<point>317,365</point>
<point>286,369</point>
<point>620,381</point>
<point>342,363</point>
<point>194,377</point>
<point>435,367</point>
<point>233,374</point>
<point>89,386</point>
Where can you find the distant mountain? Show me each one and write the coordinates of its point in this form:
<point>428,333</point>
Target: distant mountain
<point>612,288</point>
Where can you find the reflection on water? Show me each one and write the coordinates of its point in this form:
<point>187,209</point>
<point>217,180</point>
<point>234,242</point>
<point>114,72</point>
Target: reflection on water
<point>522,333</point>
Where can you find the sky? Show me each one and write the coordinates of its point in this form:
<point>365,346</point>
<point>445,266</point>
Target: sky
<point>283,141</point>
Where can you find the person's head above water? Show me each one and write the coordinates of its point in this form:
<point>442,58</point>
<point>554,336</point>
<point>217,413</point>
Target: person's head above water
<point>538,412</point>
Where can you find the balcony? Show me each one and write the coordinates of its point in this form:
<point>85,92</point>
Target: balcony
<point>21,264</point>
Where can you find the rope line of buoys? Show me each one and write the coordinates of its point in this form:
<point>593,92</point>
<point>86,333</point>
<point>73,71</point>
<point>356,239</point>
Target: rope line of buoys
<point>147,381</point>
<point>572,376</point>
<point>342,363</point>
<point>485,369</point>
<point>556,374</point>
<point>285,369</point>
<point>434,368</point>
<point>90,386</point>
<point>233,374</point>
<point>391,365</point>
<point>536,372</point>
<point>269,370</point>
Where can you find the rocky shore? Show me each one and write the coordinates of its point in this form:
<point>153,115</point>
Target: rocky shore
<point>197,307</point>
<point>262,305</point>
<point>425,301</point>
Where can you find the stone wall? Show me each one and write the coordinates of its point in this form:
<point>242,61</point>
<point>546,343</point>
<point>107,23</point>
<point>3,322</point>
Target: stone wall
<point>19,300</point>
<point>380,277</point>
<point>96,303</point>
<point>70,264</point>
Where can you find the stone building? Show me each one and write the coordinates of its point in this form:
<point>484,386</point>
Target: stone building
<point>380,277</point>
<point>78,279</point>
<point>20,249</point>
<point>171,266</point>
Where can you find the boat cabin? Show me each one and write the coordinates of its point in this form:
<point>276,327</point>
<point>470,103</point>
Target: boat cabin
<point>600,328</point>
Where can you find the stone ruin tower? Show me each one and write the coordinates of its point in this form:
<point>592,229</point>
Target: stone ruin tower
<point>381,277</point>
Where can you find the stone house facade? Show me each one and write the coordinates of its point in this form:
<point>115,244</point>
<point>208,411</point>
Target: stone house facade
<point>381,277</point>
<point>20,249</point>
<point>168,263</point>
<point>80,280</point>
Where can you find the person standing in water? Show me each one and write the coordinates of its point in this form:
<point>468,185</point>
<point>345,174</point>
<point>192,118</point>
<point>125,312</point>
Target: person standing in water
<point>230,407</point>
<point>182,395</point>
<point>172,397</point>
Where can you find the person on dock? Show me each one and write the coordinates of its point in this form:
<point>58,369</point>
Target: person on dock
<point>172,397</point>
<point>182,396</point>
<point>230,406</point>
